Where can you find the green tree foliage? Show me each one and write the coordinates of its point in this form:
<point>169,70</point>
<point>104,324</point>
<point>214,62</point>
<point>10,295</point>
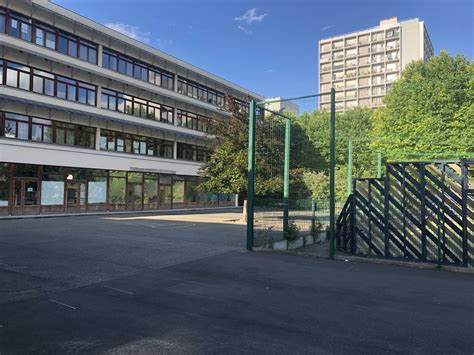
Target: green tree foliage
<point>226,169</point>
<point>430,109</point>
<point>317,183</point>
<point>355,125</point>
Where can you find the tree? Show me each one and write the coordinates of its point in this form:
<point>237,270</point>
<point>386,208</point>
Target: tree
<point>430,109</point>
<point>226,168</point>
<point>354,124</point>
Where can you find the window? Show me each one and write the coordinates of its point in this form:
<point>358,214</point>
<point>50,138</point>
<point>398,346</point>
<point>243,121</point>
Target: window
<point>87,51</point>
<point>130,105</point>
<point>16,126</point>
<point>108,100</point>
<point>191,152</point>
<point>192,121</point>
<point>136,69</point>
<point>109,60</point>
<point>67,45</point>
<point>47,131</point>
<point>154,111</point>
<point>41,130</point>
<point>38,81</point>
<point>139,107</point>
<point>45,83</point>
<point>18,76</point>
<point>127,143</point>
<point>45,36</point>
<point>50,40</point>
<point>2,21</point>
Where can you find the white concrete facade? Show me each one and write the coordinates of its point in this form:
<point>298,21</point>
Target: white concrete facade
<point>139,107</point>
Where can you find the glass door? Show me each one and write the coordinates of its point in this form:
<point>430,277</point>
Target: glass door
<point>135,192</point>
<point>75,196</point>
<point>25,197</point>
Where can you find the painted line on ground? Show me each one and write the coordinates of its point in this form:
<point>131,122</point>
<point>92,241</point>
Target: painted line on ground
<point>119,290</point>
<point>63,304</point>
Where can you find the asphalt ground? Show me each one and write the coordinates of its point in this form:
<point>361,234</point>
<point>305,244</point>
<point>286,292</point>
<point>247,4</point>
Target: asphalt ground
<point>144,285</point>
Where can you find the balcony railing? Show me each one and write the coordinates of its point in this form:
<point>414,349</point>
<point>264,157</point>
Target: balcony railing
<point>378,38</point>
<point>393,46</point>
<point>392,34</point>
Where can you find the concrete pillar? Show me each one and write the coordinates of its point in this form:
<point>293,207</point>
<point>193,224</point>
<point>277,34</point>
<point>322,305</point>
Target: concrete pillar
<point>99,54</point>
<point>175,116</point>
<point>175,150</point>
<point>97,138</point>
<point>99,94</point>
<point>175,87</point>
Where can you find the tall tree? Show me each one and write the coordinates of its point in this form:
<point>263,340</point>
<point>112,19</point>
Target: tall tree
<point>430,109</point>
<point>226,168</point>
<point>354,124</point>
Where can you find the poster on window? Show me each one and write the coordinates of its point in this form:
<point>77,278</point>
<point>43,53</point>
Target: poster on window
<point>52,193</point>
<point>97,191</point>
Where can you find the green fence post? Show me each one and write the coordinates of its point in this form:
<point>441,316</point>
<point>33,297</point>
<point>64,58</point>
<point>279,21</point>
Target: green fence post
<point>251,175</point>
<point>286,181</point>
<point>349,169</point>
<point>379,165</point>
<point>332,200</point>
<point>313,217</point>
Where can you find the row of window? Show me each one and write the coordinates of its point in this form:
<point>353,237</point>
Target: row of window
<point>192,152</point>
<point>30,30</point>
<point>193,121</point>
<point>47,131</point>
<point>200,92</point>
<point>136,69</point>
<point>113,100</point>
<point>27,78</point>
<point>133,144</point>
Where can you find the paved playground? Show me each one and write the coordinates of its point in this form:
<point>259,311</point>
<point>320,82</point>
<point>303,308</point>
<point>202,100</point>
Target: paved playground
<point>183,284</point>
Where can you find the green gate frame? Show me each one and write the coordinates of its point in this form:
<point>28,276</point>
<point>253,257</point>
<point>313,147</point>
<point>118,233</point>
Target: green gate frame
<point>286,181</point>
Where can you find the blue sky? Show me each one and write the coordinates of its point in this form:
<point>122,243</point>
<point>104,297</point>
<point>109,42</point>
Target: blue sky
<point>271,50</point>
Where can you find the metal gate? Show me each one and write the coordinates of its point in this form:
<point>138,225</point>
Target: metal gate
<point>420,211</point>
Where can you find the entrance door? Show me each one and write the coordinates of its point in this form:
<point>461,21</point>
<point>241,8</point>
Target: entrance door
<point>134,198</point>
<point>75,196</point>
<point>25,197</point>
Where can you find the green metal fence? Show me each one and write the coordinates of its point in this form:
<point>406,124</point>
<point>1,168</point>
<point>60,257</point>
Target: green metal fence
<point>282,211</point>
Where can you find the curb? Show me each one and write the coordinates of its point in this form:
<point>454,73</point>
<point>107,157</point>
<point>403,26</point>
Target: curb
<point>106,213</point>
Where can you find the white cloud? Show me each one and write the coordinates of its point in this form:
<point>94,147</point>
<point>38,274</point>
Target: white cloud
<point>325,28</point>
<point>251,16</point>
<point>131,31</point>
<point>269,71</point>
<point>244,30</point>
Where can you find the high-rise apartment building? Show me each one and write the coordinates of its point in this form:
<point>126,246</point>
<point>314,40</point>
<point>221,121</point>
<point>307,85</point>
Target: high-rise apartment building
<point>92,120</point>
<point>362,65</point>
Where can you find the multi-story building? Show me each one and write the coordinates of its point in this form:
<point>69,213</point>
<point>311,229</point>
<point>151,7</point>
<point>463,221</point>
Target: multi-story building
<point>280,104</point>
<point>92,120</point>
<point>362,65</point>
